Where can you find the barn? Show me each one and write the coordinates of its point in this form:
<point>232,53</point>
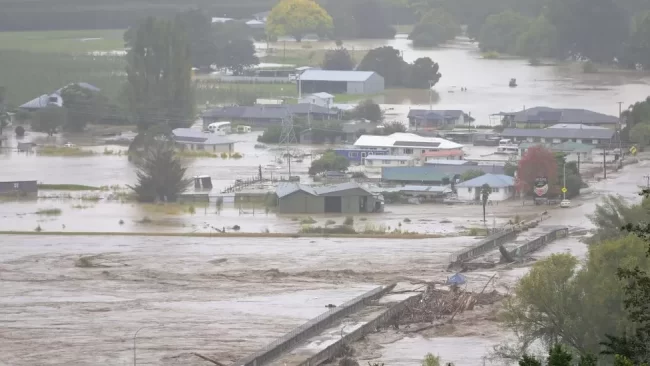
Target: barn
<point>340,82</point>
<point>344,198</point>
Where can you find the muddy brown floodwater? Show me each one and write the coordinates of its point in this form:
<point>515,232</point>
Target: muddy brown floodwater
<point>79,300</point>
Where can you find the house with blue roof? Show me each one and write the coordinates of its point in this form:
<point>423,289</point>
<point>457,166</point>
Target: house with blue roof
<point>503,187</point>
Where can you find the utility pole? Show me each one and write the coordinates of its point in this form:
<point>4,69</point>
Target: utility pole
<point>647,179</point>
<point>564,184</point>
<point>620,128</point>
<point>604,164</point>
<point>430,94</point>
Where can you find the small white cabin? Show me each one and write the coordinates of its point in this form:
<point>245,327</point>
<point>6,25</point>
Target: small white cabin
<point>220,128</point>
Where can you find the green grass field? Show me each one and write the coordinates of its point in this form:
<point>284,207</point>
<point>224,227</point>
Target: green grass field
<point>305,56</point>
<point>68,42</point>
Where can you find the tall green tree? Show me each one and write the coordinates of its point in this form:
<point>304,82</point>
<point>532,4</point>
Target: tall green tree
<point>297,18</point>
<point>423,74</point>
<point>159,72</point>
<point>595,29</point>
<point>49,119</point>
<point>387,62</point>
<point>539,40</point>
<point>436,27</point>
<point>161,175</point>
<point>486,190</point>
<point>500,31</point>
<point>637,47</point>
<point>198,27</point>
<point>330,161</point>
<point>338,59</point>
<point>83,106</point>
<point>4,115</point>
<point>235,47</point>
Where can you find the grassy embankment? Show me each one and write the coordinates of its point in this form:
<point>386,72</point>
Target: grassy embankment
<point>64,151</point>
<point>226,235</point>
<point>67,187</point>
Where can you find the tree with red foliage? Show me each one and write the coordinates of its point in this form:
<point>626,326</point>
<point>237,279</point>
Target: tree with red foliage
<point>537,162</point>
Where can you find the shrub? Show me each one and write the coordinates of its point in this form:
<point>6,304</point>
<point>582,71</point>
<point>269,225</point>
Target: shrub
<point>349,221</point>
<point>589,67</point>
<point>407,220</point>
<point>191,210</point>
<point>224,155</point>
<point>49,211</point>
<point>236,155</point>
<point>307,221</point>
<point>330,222</point>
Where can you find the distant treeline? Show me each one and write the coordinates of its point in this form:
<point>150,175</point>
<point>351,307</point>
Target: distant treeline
<point>23,15</point>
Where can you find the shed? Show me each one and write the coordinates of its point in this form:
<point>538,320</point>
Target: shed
<point>503,187</point>
<point>340,82</point>
<point>20,188</point>
<point>187,138</point>
<point>343,198</point>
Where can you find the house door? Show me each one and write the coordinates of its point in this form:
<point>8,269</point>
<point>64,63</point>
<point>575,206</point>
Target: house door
<point>333,205</point>
<point>363,204</point>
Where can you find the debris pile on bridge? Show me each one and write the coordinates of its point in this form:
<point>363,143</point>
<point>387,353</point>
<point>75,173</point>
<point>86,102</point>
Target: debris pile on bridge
<point>437,304</point>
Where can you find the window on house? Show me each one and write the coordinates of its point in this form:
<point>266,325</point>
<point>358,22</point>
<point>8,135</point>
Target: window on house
<point>469,189</point>
<point>353,154</point>
<point>200,147</point>
<point>363,155</point>
<point>595,142</point>
<point>369,162</point>
<point>402,162</point>
<point>495,190</point>
<point>423,151</point>
<point>408,151</point>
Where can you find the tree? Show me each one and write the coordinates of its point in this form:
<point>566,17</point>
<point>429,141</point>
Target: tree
<point>471,174</point>
<point>338,59</point>
<point>431,360</point>
<point>201,38</point>
<point>485,195</point>
<point>561,302</point>
<point>82,106</point>
<point>539,40</point>
<point>636,280</point>
<point>592,29</point>
<point>297,18</point>
<point>637,47</point>
<point>500,32</point>
<point>614,213</point>
<point>527,360</point>
<point>49,119</point>
<point>161,175</point>
<point>367,110</point>
<point>640,134</point>
<point>423,74</point>
<point>537,162</point>
<point>19,131</point>
<point>355,19</point>
<point>330,161</point>
<point>4,115</point>
<point>387,62</point>
<point>159,73</point>
<point>558,356</point>
<point>436,27</point>
<point>235,49</point>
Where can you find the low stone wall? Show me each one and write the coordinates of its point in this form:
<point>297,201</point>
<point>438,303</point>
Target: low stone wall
<point>534,245</point>
<point>312,328</point>
<point>382,320</point>
<point>490,243</point>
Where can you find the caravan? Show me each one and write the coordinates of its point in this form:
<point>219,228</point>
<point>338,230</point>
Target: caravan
<point>220,128</point>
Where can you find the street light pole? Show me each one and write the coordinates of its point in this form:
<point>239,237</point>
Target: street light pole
<point>564,184</point>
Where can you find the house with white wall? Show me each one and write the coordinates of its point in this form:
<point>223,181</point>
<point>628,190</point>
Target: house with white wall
<point>503,187</point>
<point>324,100</point>
<point>376,162</point>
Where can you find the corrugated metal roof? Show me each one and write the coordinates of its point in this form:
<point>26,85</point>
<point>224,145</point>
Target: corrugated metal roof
<point>196,136</point>
<point>285,188</point>
<point>435,114</point>
<point>562,115</point>
<point>493,180</point>
<point>335,75</point>
<point>560,133</point>
<point>449,162</point>
<point>403,139</point>
<point>433,173</point>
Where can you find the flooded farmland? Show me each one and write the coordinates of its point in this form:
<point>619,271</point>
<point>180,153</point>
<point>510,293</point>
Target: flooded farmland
<point>79,300</point>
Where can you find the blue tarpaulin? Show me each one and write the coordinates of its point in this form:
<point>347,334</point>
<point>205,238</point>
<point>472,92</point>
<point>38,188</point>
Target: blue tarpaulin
<point>457,279</point>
